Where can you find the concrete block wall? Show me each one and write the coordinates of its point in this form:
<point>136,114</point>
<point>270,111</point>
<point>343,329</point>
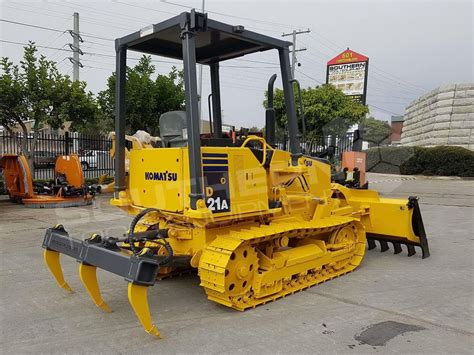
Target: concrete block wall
<point>444,116</point>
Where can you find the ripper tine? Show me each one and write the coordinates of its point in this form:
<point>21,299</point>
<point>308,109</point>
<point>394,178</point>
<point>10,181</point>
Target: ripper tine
<point>104,253</point>
<point>383,246</point>
<point>371,244</point>
<point>411,250</point>
<point>137,296</point>
<point>51,259</point>
<point>88,276</point>
<point>397,248</point>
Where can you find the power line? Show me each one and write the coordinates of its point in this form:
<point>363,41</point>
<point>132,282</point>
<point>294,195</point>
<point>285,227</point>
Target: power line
<point>146,8</point>
<point>225,83</point>
<point>234,16</point>
<point>101,22</point>
<point>26,44</point>
<point>321,39</point>
<point>391,96</point>
<point>397,78</point>
<point>87,34</point>
<point>246,67</point>
<point>31,11</point>
<point>382,109</point>
<point>109,39</point>
<point>190,7</point>
<point>310,77</point>
<point>34,26</point>
<point>390,82</point>
<point>109,13</point>
<point>331,45</point>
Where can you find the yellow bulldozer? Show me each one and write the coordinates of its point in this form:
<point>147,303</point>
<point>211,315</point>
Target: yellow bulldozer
<point>258,223</point>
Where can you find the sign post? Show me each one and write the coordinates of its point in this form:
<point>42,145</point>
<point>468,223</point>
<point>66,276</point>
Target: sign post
<point>348,72</point>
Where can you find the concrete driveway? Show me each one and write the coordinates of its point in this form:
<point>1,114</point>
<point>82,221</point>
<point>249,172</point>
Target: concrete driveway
<point>392,303</point>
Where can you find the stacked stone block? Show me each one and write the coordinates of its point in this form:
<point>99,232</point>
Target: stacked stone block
<point>444,116</point>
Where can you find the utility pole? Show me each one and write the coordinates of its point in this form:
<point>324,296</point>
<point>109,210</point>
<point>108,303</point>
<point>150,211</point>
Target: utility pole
<point>76,39</point>
<point>200,78</point>
<point>294,60</point>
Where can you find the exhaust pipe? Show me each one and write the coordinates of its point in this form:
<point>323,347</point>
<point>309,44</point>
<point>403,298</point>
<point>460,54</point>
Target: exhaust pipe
<point>270,114</point>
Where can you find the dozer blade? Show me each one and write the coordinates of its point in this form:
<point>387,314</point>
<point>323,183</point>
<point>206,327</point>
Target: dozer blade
<point>414,236</point>
<point>88,277</point>
<point>137,296</point>
<point>397,248</point>
<point>386,220</point>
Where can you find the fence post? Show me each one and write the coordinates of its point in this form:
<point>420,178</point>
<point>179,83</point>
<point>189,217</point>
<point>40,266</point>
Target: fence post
<point>357,141</point>
<point>66,142</point>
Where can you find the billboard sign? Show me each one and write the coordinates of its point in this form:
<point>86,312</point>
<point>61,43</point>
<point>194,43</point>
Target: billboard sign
<point>348,73</point>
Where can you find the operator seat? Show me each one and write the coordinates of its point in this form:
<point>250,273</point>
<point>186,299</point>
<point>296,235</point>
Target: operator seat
<point>173,131</point>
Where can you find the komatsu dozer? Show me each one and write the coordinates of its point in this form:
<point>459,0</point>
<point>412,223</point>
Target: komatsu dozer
<point>258,223</point>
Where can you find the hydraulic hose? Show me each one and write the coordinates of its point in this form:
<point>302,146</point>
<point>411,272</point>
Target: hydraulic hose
<point>131,237</point>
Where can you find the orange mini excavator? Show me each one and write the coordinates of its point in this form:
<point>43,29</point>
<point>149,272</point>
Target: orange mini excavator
<point>68,188</point>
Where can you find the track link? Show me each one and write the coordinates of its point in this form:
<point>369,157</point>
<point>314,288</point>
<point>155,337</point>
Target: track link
<point>232,260</point>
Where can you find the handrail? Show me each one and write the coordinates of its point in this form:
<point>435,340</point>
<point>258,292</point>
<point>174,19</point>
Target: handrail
<point>264,145</point>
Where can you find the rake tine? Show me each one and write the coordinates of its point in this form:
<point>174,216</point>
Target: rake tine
<point>411,250</point>
<point>397,248</point>
<point>383,246</point>
<point>371,244</point>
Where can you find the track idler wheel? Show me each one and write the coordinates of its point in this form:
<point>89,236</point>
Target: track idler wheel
<point>351,237</point>
<point>240,270</point>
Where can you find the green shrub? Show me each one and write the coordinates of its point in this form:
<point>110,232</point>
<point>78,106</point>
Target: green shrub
<point>387,159</point>
<point>442,160</point>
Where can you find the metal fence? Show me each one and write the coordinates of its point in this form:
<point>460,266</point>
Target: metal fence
<point>323,146</point>
<point>93,152</point>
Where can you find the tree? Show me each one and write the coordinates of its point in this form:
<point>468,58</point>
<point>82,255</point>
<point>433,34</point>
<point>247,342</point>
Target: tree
<point>326,110</point>
<point>376,132</point>
<point>255,129</point>
<point>145,98</point>
<point>35,90</point>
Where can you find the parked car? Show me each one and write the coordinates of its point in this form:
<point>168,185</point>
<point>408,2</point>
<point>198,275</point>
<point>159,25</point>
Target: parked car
<point>89,159</point>
<point>44,159</point>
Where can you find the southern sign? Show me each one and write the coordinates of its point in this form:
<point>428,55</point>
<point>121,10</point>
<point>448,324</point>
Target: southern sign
<point>348,73</point>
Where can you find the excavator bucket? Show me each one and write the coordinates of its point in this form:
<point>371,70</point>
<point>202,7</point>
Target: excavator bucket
<point>386,220</point>
<point>140,271</point>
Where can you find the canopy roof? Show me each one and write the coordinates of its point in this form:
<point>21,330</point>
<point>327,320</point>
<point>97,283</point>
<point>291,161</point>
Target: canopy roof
<point>215,41</point>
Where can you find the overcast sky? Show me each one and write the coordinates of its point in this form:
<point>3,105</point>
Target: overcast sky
<point>413,46</point>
